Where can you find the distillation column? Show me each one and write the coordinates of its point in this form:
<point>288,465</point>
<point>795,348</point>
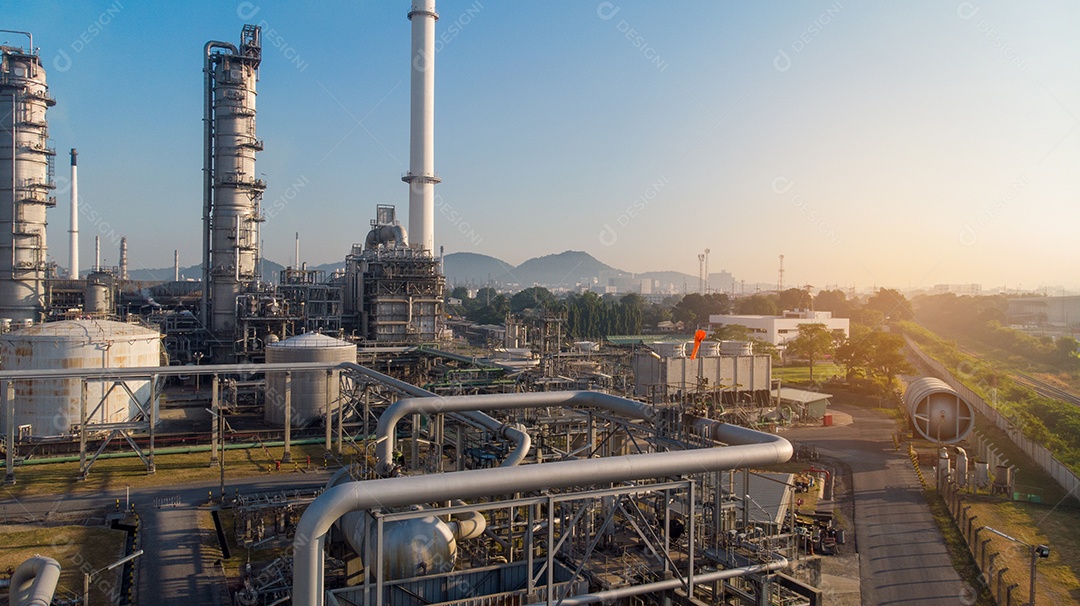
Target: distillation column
<point>421,176</point>
<point>26,180</point>
<point>235,193</point>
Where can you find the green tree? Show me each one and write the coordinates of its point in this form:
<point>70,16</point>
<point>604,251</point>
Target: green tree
<point>813,341</point>
<point>536,297</point>
<point>854,352</point>
<point>834,301</point>
<point>887,359</point>
<point>794,298</point>
<point>761,305</point>
<point>892,304</point>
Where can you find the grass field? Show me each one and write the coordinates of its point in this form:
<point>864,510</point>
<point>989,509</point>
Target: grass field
<point>801,373</point>
<point>75,547</point>
<point>115,474</point>
<point>1058,577</point>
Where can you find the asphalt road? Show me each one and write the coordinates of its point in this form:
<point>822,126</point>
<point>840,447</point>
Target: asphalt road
<point>174,570</point>
<point>902,555</point>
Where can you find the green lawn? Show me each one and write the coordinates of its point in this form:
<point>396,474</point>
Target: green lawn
<point>801,373</point>
<point>72,546</point>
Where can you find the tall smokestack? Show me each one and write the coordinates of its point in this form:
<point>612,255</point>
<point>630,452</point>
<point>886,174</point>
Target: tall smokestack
<point>73,260</point>
<point>176,265</point>
<point>421,176</point>
<point>296,255</point>
<point>97,253</point>
<point>123,258</point>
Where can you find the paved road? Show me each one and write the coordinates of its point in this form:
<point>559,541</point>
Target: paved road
<point>902,555</point>
<point>173,570</point>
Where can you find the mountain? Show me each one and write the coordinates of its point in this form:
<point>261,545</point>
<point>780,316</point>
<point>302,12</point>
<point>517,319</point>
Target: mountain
<point>471,268</point>
<point>561,270</point>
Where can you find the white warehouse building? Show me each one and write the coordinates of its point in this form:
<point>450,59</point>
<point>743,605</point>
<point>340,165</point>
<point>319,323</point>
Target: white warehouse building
<point>778,330</point>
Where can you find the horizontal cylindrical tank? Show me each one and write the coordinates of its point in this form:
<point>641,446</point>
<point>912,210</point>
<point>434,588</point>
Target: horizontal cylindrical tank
<point>736,348</point>
<point>311,389</point>
<point>670,349</point>
<point>52,406</point>
<point>708,349</point>
<point>938,412</point>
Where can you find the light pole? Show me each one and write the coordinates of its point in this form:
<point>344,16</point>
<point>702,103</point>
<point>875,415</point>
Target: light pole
<point>198,358</point>
<point>89,576</point>
<point>1037,552</point>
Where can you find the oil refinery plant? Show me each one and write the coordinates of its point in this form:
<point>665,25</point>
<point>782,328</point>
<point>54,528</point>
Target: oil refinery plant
<point>458,480</point>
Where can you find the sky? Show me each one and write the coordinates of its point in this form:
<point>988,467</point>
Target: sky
<point>887,144</point>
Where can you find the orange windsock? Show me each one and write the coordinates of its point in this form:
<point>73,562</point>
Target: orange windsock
<point>699,336</point>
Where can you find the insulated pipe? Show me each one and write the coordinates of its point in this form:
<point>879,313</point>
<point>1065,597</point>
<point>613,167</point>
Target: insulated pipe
<point>384,447</point>
<point>514,433</point>
<point>749,448</point>
<point>34,582</point>
<point>632,590</point>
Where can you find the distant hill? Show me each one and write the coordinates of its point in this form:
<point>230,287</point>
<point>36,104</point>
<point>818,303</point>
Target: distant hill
<point>561,270</point>
<point>466,268</point>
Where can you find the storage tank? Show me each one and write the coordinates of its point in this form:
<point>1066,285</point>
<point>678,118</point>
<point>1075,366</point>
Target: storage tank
<point>938,412</point>
<point>736,348</point>
<point>51,406</point>
<point>99,299</point>
<point>309,388</point>
<point>670,349</point>
<point>708,349</point>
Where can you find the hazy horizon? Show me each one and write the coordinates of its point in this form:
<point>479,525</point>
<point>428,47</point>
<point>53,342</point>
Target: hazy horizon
<point>905,145</point>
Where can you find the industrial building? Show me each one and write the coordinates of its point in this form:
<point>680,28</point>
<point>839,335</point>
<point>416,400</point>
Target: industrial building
<point>778,330</point>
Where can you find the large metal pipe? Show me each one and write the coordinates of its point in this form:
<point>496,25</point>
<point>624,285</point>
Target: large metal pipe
<point>938,413</point>
<point>34,582</point>
<point>748,448</point>
<point>421,176</point>
<point>384,447</point>
<point>514,433</point>
<point>624,592</point>
<point>73,257</point>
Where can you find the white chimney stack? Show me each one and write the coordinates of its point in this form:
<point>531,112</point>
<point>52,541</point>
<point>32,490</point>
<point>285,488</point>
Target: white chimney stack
<point>73,260</point>
<point>421,176</point>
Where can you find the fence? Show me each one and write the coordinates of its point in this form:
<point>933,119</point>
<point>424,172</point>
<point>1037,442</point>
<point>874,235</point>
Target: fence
<point>1038,453</point>
<point>982,551</point>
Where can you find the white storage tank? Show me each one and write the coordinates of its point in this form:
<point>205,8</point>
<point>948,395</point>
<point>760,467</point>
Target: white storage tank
<point>51,406</point>
<point>309,388</point>
<point>736,348</point>
<point>670,349</point>
<point>707,349</point>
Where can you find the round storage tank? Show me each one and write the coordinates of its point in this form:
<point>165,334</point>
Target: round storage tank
<point>310,388</point>
<point>51,406</point>
<point>938,412</point>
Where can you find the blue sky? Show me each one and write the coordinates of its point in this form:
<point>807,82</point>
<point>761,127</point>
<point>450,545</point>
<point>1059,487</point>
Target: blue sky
<point>898,144</point>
